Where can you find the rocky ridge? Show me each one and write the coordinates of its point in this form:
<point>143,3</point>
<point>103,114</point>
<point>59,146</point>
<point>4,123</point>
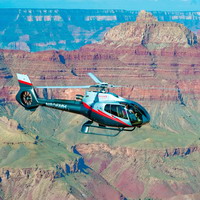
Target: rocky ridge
<point>147,31</point>
<point>139,173</point>
<point>37,183</point>
<point>131,152</point>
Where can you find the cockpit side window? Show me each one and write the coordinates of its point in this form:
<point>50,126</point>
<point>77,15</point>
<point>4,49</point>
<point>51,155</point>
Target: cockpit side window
<point>107,108</point>
<point>116,110</point>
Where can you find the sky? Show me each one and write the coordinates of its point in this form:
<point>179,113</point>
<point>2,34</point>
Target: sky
<point>162,5</point>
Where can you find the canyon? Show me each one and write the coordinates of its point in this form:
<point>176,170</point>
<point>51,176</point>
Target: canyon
<point>158,161</point>
<point>48,29</point>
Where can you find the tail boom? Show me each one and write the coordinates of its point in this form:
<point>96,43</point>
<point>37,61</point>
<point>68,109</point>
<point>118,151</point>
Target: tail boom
<point>28,98</point>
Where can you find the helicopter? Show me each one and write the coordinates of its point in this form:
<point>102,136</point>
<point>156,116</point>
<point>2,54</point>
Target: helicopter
<point>105,109</point>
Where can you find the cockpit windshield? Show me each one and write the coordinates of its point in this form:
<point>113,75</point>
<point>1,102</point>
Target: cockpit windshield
<point>134,114</point>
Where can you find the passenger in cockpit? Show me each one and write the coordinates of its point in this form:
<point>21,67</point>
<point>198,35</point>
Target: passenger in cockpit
<point>131,114</point>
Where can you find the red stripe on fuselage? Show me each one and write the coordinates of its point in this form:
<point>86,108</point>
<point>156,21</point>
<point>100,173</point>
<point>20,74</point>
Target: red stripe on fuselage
<point>24,82</point>
<point>104,114</point>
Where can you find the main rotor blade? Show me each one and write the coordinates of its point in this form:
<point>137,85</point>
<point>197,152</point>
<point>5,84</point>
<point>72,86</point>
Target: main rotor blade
<point>63,87</point>
<point>162,88</point>
<point>95,79</point>
<point>115,86</point>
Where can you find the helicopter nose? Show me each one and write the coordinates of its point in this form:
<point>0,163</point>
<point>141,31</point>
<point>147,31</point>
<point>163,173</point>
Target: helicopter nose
<point>146,118</point>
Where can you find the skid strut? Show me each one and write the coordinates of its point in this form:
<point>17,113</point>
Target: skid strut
<point>86,129</point>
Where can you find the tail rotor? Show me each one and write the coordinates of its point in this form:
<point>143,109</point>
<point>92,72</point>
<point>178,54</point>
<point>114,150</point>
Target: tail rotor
<point>26,96</point>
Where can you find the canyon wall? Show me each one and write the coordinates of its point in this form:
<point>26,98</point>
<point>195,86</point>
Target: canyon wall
<point>151,63</point>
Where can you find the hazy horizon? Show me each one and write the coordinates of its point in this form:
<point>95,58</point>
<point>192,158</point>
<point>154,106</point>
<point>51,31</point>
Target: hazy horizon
<point>149,5</point>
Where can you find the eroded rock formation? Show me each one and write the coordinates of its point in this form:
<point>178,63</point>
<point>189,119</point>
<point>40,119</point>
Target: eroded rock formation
<point>147,31</point>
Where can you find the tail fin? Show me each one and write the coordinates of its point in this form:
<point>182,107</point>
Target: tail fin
<point>24,80</point>
<point>26,96</point>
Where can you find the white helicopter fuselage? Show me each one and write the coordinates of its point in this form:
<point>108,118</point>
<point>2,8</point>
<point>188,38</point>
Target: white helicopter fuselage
<point>110,109</point>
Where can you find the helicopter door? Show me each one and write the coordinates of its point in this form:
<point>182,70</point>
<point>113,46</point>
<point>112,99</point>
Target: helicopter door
<point>116,110</point>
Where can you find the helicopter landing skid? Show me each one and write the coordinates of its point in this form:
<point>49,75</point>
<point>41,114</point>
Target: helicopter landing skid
<point>86,129</point>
